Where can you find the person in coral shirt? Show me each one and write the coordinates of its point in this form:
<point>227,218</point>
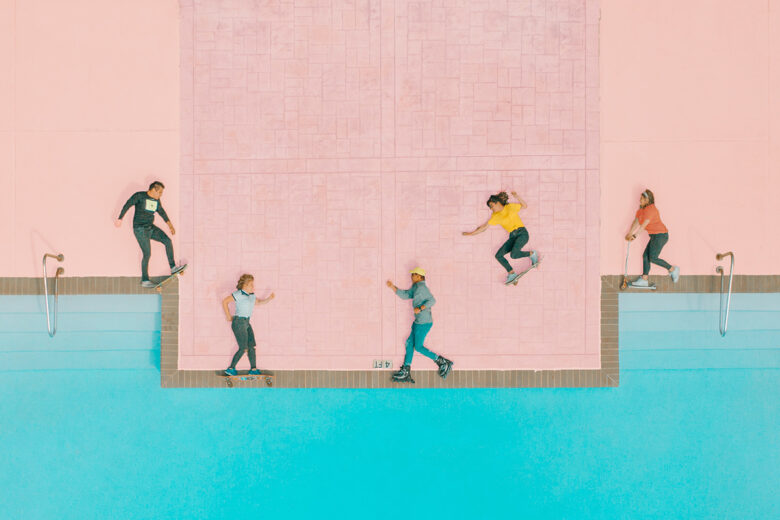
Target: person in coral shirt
<point>648,218</point>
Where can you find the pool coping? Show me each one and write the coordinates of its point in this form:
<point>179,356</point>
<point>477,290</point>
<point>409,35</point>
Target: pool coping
<point>606,376</point>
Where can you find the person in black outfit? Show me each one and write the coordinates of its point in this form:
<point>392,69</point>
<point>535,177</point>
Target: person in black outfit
<point>147,203</point>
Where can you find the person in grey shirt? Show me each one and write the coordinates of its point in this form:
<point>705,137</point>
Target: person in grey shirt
<point>422,300</point>
<point>245,299</point>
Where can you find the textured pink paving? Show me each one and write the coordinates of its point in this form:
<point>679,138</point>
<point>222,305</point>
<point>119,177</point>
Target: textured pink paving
<point>330,145</point>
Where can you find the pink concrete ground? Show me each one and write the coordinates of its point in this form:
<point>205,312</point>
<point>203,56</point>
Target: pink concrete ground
<point>328,146</point>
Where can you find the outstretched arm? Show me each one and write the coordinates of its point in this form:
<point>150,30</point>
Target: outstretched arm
<point>402,293</point>
<point>258,301</point>
<point>519,200</point>
<point>126,207</point>
<point>480,229</point>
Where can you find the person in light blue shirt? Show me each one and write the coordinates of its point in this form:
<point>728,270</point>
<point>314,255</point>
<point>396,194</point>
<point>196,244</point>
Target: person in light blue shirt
<point>422,301</point>
<point>245,300</point>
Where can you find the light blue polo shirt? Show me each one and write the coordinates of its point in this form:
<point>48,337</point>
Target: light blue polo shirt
<point>245,303</point>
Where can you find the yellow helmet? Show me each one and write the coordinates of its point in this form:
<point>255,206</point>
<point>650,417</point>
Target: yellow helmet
<point>418,270</point>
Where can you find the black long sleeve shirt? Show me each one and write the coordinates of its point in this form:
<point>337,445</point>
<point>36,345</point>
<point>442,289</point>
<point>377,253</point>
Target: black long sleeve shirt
<point>145,208</point>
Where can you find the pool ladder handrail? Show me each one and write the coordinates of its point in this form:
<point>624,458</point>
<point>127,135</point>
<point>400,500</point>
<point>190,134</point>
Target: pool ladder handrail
<point>723,325</point>
<point>52,330</point>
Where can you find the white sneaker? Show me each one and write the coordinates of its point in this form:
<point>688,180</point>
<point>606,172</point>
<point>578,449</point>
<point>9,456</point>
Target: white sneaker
<point>148,284</point>
<point>534,258</point>
<point>640,282</point>
<point>675,274</point>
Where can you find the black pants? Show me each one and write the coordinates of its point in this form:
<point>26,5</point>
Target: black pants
<point>144,235</point>
<point>653,249</point>
<point>245,337</point>
<point>514,245</point>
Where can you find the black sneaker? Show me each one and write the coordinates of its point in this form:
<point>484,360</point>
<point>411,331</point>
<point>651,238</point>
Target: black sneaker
<point>445,366</point>
<point>403,375</point>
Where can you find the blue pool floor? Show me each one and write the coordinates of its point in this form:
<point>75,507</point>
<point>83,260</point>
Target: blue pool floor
<point>665,444</point>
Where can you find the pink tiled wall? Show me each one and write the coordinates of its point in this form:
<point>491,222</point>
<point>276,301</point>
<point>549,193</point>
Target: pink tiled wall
<point>328,146</point>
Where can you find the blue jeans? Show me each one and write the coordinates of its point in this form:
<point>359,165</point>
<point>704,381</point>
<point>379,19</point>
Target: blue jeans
<point>653,249</point>
<point>144,235</point>
<point>514,246</point>
<point>245,337</point>
<point>415,342</point>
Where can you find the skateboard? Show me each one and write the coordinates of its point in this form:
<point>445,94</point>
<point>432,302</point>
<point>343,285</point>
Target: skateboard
<point>524,272</point>
<point>167,279</point>
<point>244,375</point>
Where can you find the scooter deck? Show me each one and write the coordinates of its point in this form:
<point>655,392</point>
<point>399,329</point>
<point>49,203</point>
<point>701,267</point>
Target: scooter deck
<point>650,287</point>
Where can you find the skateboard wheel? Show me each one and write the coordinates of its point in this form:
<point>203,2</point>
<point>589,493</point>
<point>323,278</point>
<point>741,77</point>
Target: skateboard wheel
<point>268,381</point>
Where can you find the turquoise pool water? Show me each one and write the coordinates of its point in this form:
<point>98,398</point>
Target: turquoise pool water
<point>680,331</point>
<point>96,332</point>
<point>111,443</point>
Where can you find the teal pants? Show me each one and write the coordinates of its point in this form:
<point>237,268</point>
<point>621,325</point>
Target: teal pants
<point>415,342</point>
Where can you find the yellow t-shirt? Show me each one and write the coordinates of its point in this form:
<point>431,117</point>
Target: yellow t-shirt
<point>507,218</point>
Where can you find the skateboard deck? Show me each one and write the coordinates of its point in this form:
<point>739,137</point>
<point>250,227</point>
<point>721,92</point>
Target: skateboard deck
<point>167,279</point>
<point>244,375</point>
<point>514,282</point>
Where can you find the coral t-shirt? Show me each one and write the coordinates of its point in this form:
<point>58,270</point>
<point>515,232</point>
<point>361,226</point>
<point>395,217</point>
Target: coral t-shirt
<point>651,212</point>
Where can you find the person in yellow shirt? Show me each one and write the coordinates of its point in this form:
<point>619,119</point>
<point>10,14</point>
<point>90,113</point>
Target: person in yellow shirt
<point>505,215</point>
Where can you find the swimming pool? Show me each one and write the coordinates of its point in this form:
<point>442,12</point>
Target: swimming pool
<point>665,444</point>
<point>108,442</point>
<point>680,331</point>
<point>94,332</point>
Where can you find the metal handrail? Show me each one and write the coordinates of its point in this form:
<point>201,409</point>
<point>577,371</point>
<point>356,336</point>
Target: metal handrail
<point>51,329</point>
<point>723,325</point>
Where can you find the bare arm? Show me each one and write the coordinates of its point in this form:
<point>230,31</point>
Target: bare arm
<point>480,229</point>
<point>519,200</point>
<point>636,228</point>
<point>225,303</point>
<point>258,301</point>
